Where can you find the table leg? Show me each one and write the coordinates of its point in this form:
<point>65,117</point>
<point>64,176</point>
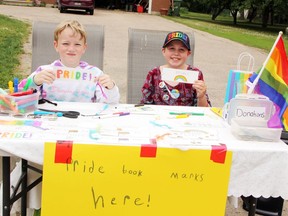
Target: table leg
<point>24,188</point>
<point>252,206</point>
<point>6,186</point>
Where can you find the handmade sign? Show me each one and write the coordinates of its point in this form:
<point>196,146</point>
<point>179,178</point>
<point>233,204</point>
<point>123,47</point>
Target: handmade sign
<point>82,179</point>
<point>236,83</point>
<point>72,84</point>
<point>177,75</point>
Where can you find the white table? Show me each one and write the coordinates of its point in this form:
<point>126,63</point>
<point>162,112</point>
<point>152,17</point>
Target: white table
<point>258,168</point>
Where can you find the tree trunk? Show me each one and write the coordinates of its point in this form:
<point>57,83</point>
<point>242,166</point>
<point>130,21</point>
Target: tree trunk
<point>265,17</point>
<point>216,12</point>
<point>252,14</point>
<point>234,15</point>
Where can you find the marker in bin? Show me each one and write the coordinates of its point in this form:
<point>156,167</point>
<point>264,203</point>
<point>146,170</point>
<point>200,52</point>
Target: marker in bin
<point>15,84</point>
<point>28,92</point>
<point>10,87</point>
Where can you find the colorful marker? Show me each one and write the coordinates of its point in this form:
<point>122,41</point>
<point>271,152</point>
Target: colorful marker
<point>27,85</point>
<point>17,94</point>
<point>10,87</point>
<point>15,84</point>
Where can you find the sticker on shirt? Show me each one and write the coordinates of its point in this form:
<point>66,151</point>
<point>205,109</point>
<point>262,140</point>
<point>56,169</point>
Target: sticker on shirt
<point>178,75</point>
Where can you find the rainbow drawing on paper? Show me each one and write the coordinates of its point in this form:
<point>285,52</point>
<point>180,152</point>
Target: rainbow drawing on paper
<point>180,78</point>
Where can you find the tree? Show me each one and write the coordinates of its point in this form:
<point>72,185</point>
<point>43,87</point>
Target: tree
<point>235,7</point>
<point>218,6</point>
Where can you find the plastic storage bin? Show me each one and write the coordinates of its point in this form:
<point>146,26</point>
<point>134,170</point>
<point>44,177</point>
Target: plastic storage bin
<point>250,107</point>
<point>20,104</point>
<point>254,130</point>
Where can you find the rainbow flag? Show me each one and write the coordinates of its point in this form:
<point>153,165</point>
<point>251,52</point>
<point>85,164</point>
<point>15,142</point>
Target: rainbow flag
<point>273,80</point>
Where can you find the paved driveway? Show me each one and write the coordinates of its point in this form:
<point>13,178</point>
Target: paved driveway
<point>213,55</point>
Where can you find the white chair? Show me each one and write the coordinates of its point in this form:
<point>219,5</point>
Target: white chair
<point>43,51</point>
<point>144,53</point>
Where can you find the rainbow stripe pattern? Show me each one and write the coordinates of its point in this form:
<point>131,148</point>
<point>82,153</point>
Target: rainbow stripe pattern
<point>180,78</point>
<point>236,83</point>
<point>273,81</point>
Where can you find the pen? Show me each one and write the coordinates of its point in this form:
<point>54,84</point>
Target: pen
<point>112,115</point>
<point>187,113</point>
<point>31,91</point>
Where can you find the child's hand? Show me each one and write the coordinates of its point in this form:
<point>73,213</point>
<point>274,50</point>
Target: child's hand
<point>106,81</point>
<point>45,76</point>
<point>200,87</point>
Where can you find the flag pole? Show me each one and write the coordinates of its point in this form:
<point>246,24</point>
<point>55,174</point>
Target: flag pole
<point>251,89</point>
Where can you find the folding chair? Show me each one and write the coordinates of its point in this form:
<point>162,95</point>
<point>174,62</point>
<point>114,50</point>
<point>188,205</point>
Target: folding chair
<point>144,53</point>
<point>43,51</point>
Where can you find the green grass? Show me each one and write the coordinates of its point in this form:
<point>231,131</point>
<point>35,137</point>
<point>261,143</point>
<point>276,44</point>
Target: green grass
<point>250,34</point>
<point>14,33</point>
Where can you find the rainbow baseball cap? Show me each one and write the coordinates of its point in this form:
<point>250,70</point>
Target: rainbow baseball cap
<point>177,35</point>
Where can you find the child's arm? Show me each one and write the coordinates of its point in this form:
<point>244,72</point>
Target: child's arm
<point>201,89</point>
<point>45,76</point>
<point>106,81</point>
<point>109,89</point>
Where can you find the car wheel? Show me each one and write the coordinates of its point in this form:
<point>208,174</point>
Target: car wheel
<point>91,12</point>
<point>62,10</point>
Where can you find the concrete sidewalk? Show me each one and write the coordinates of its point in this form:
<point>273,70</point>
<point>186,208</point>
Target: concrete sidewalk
<point>213,55</point>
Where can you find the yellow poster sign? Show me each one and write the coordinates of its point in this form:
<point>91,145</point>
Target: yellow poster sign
<point>106,180</point>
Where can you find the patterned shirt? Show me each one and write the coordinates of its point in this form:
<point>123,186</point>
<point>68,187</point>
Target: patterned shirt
<point>158,92</point>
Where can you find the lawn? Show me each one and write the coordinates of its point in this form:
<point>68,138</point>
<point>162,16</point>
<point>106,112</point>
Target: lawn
<point>14,33</point>
<point>250,34</point>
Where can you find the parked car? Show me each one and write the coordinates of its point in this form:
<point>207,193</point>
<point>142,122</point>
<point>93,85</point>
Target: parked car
<point>87,5</point>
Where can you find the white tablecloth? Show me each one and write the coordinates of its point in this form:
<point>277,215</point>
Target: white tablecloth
<point>258,168</point>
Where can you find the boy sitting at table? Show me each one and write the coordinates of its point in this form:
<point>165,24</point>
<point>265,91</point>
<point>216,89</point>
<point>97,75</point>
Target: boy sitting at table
<point>176,49</point>
<point>69,78</point>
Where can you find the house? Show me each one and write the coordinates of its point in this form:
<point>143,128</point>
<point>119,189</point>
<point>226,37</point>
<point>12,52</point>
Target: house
<point>150,6</point>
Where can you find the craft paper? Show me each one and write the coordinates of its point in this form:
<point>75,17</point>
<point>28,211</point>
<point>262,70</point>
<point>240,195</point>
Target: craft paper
<point>177,75</point>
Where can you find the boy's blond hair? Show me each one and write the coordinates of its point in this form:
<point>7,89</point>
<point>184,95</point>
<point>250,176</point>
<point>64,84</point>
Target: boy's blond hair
<point>74,25</point>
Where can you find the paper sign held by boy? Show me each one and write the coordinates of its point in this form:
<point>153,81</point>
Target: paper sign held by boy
<point>178,75</point>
